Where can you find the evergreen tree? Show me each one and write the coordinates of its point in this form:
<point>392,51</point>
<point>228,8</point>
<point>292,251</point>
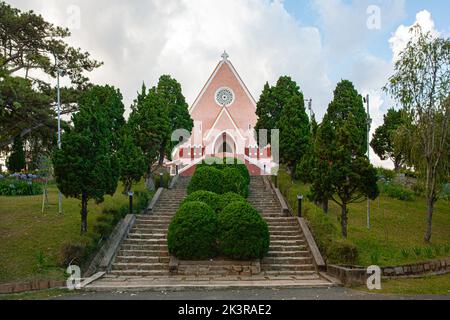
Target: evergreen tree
<point>383,139</point>
<point>343,173</point>
<point>170,92</point>
<point>271,103</point>
<point>150,125</point>
<point>16,160</point>
<point>87,166</point>
<point>131,161</point>
<point>295,132</point>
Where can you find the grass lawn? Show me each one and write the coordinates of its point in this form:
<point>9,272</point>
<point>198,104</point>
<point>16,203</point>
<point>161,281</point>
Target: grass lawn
<point>397,228</point>
<point>415,286</point>
<point>30,240</point>
<point>38,295</point>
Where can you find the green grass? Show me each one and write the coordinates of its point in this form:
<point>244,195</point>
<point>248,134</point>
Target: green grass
<point>397,227</point>
<point>30,240</point>
<point>38,295</point>
<point>414,286</point>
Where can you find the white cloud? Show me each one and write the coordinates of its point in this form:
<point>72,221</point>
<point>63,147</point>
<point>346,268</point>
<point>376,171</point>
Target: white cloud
<point>185,38</point>
<point>402,35</point>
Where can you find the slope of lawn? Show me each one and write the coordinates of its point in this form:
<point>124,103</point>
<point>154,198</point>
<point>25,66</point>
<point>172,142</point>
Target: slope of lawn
<point>30,240</point>
<point>439,285</point>
<point>397,227</point>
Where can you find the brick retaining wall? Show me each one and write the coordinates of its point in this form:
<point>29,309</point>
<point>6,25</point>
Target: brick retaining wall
<point>30,286</point>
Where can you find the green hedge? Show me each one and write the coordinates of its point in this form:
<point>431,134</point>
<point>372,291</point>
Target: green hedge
<point>227,198</point>
<point>243,233</point>
<point>210,198</point>
<point>192,232</point>
<point>15,187</point>
<point>207,179</point>
<point>233,181</point>
<point>396,191</point>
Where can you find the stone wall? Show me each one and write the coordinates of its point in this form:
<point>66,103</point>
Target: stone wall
<point>217,267</point>
<point>354,275</point>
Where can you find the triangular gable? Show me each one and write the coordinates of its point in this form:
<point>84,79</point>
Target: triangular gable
<point>211,78</point>
<point>223,122</point>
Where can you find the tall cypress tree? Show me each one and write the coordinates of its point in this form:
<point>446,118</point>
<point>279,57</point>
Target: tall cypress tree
<point>87,167</point>
<point>16,160</point>
<point>169,90</point>
<point>271,103</point>
<point>343,172</point>
<point>295,132</point>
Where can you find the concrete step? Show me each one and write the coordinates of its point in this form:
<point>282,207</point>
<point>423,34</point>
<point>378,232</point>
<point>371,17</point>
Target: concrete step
<point>284,247</point>
<point>277,237</point>
<point>296,253</point>
<point>287,243</point>
<point>304,273</point>
<point>140,273</point>
<point>160,252</point>
<point>287,267</point>
<point>141,260</point>
<point>149,236</point>
<point>144,247</point>
<point>286,233</point>
<point>140,242</point>
<point>287,260</point>
<point>141,266</point>
<point>148,230</point>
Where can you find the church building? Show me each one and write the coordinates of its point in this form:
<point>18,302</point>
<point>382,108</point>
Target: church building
<point>224,116</point>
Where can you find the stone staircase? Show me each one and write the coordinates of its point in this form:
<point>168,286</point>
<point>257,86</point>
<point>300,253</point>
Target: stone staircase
<point>144,252</point>
<point>288,254</point>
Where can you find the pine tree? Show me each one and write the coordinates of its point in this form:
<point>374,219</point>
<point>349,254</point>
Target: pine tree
<point>131,160</point>
<point>16,160</point>
<point>295,132</point>
<point>342,171</point>
<point>271,103</point>
<point>170,91</point>
<point>87,167</point>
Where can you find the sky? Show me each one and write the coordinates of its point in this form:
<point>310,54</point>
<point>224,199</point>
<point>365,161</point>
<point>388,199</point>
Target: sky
<point>316,42</point>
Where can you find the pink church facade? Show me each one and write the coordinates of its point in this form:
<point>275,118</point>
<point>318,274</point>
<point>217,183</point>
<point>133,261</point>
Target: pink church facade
<point>224,115</point>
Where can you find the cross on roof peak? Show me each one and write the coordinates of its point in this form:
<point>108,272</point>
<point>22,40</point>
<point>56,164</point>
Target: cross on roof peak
<point>225,55</point>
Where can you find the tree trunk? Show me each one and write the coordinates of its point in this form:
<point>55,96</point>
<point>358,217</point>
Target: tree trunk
<point>324,205</point>
<point>397,165</point>
<point>161,155</point>
<point>84,212</point>
<point>344,220</point>
<point>430,207</point>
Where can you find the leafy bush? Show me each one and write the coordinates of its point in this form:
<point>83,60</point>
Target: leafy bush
<point>445,193</point>
<point>16,187</point>
<point>222,164</point>
<point>192,232</point>
<point>73,252</point>
<point>227,198</point>
<point>243,233</point>
<point>386,174</point>
<point>210,198</point>
<point>206,178</point>
<point>233,181</point>
<point>343,252</point>
<point>397,192</point>
<point>161,181</point>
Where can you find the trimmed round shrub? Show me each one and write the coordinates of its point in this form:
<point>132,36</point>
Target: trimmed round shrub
<point>233,181</point>
<point>206,178</point>
<point>243,233</point>
<point>227,198</point>
<point>193,231</point>
<point>244,172</point>
<point>210,198</point>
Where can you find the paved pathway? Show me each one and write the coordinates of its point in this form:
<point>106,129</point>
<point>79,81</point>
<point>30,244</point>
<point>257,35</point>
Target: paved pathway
<point>332,293</point>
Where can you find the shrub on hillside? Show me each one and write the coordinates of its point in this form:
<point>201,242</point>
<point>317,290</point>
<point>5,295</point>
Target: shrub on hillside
<point>227,198</point>
<point>161,181</point>
<point>243,233</point>
<point>192,232</point>
<point>210,198</point>
<point>208,179</point>
<point>233,181</point>
<point>397,192</point>
<point>342,252</point>
<point>73,252</point>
